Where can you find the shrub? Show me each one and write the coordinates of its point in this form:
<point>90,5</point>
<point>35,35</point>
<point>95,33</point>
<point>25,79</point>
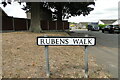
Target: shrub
<point>86,26</point>
<point>102,25</point>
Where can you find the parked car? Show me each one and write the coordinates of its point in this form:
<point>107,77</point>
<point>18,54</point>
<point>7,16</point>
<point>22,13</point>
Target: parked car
<point>93,27</point>
<point>111,29</point>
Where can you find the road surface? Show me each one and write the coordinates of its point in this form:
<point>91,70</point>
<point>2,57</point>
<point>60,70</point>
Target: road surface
<point>105,51</point>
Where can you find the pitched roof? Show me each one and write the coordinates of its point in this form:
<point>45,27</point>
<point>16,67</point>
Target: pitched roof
<point>110,21</point>
<point>3,13</point>
<point>83,23</point>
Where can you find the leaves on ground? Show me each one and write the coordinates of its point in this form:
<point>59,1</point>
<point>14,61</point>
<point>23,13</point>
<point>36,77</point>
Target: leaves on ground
<point>22,58</point>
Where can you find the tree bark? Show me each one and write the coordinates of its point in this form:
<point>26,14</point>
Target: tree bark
<point>45,14</point>
<point>59,14</point>
<point>35,18</point>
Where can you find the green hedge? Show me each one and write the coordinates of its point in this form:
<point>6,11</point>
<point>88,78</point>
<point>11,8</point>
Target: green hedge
<point>86,26</point>
<point>102,25</point>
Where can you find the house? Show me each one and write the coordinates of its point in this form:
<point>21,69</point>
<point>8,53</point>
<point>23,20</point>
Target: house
<point>11,23</point>
<point>82,25</point>
<point>2,13</point>
<point>6,21</point>
<point>116,22</point>
<point>108,21</point>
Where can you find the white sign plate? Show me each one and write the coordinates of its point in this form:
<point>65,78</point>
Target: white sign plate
<point>66,41</point>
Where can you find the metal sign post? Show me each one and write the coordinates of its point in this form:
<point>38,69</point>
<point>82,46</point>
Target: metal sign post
<point>86,61</point>
<point>47,60</point>
<point>65,41</point>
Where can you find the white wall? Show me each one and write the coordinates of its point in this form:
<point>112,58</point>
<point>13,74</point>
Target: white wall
<point>100,22</point>
<point>116,22</point>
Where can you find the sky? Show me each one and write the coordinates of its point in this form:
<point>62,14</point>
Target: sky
<point>103,9</point>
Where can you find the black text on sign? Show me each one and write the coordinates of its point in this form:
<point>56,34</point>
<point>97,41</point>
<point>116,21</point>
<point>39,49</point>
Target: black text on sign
<point>56,41</point>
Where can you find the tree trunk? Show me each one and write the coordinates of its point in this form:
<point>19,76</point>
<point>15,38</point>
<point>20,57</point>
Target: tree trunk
<point>35,18</point>
<point>59,14</point>
<point>45,14</point>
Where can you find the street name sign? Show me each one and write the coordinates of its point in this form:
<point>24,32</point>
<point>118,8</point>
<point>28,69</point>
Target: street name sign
<point>66,41</point>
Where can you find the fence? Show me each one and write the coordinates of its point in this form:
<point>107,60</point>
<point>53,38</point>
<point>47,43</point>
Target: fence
<point>10,23</point>
<point>17,24</point>
<point>54,25</point>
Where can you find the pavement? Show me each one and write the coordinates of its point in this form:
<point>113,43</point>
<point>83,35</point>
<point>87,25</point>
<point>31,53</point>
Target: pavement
<point>105,51</point>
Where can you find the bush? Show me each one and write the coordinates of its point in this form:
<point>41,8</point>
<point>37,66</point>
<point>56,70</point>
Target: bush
<point>86,26</point>
<point>102,25</point>
<point>79,27</point>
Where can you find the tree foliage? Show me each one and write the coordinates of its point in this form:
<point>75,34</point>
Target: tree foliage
<point>65,9</point>
<point>62,9</point>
